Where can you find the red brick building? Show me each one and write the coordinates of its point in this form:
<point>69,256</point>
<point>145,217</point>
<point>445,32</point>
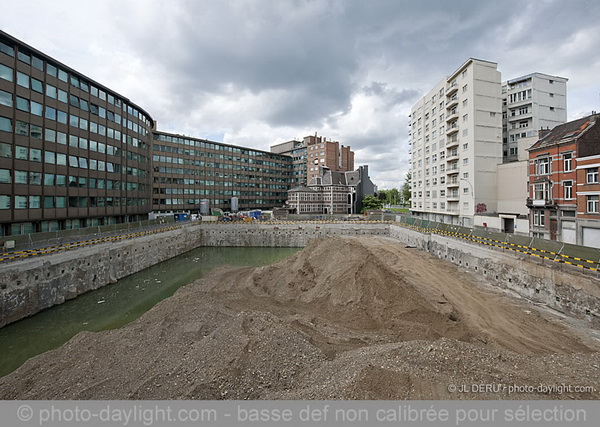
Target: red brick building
<point>329,154</point>
<point>563,183</point>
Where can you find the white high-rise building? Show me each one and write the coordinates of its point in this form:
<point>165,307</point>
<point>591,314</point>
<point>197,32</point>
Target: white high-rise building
<point>456,143</point>
<point>530,103</point>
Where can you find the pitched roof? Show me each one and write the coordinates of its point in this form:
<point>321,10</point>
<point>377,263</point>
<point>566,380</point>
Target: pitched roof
<point>334,178</point>
<point>566,132</point>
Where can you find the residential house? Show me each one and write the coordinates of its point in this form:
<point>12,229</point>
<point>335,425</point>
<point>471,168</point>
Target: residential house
<point>563,183</point>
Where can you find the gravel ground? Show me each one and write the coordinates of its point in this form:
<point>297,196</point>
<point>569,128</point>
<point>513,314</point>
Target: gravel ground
<point>347,318</point>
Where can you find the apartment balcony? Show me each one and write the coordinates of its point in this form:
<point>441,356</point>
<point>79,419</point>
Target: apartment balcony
<point>452,102</point>
<point>452,115</point>
<point>452,129</point>
<point>540,203</point>
<point>520,103</point>
<point>518,117</point>
<point>453,183</point>
<point>452,89</point>
<point>518,87</point>
<point>452,171</point>
<point>452,142</point>
<point>452,156</point>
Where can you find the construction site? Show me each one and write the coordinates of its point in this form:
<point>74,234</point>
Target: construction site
<point>362,312</point>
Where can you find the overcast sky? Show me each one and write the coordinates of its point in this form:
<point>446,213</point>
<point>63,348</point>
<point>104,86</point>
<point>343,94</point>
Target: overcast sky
<point>255,73</point>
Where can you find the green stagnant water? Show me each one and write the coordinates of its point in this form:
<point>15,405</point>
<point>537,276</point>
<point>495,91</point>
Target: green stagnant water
<point>115,305</point>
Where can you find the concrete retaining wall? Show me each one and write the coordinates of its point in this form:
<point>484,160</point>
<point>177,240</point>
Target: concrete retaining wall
<point>559,286</point>
<point>34,284</point>
<point>31,285</point>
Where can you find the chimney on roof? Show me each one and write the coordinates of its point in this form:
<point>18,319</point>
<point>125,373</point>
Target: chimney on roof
<point>543,132</point>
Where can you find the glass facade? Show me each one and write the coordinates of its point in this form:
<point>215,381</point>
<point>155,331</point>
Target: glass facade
<point>188,170</point>
<point>74,152</point>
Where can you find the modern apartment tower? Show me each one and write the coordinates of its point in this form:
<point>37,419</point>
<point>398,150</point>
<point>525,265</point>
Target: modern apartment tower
<point>530,103</point>
<point>456,143</point>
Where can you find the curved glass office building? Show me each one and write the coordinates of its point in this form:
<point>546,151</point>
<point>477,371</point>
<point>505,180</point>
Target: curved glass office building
<point>73,153</point>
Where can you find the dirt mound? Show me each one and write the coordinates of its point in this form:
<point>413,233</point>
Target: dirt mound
<point>343,281</point>
<point>360,318</point>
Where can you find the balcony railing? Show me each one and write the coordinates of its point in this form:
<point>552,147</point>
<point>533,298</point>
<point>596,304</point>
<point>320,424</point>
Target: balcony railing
<point>452,128</point>
<point>540,203</point>
<point>452,101</point>
<point>452,89</point>
<point>452,115</point>
<point>452,142</point>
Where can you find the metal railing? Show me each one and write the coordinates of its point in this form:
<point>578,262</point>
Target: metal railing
<point>583,257</point>
<point>51,238</point>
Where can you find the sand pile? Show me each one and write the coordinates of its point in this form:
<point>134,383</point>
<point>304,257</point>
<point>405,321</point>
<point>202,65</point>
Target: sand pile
<point>343,281</point>
<point>348,318</point>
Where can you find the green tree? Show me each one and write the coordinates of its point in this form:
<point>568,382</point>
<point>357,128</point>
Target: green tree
<point>382,195</point>
<point>406,191</point>
<point>393,196</point>
<point>371,203</point>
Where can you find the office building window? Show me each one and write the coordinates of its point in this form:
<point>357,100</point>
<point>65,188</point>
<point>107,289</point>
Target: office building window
<point>6,73</point>
<point>22,79</point>
<point>4,202</point>
<point>5,176</point>
<point>6,98</point>
<point>20,202</point>
<point>5,151</point>
<point>22,104</point>
<point>5,124</point>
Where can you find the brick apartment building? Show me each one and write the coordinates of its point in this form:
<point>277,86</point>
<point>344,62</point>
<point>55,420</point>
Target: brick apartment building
<point>313,155</point>
<point>326,154</point>
<point>564,189</point>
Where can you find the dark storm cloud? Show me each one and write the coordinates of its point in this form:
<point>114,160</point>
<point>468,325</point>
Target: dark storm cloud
<point>302,51</point>
<point>391,97</point>
<point>265,70</point>
<point>314,53</point>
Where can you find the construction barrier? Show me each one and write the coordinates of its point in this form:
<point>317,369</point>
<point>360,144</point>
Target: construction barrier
<point>558,256</point>
<point>75,245</point>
